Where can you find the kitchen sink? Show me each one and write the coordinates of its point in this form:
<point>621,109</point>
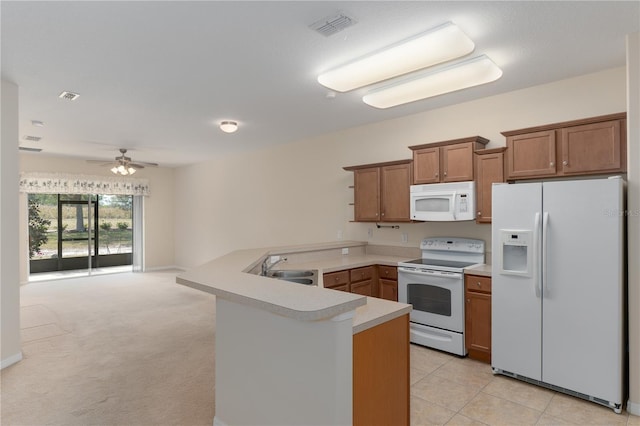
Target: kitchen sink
<point>299,276</point>
<point>290,274</point>
<point>305,281</point>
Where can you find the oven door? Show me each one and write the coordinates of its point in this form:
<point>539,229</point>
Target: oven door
<point>437,297</point>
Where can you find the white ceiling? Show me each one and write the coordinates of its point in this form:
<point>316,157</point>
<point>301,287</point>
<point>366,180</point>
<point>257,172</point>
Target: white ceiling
<point>157,77</point>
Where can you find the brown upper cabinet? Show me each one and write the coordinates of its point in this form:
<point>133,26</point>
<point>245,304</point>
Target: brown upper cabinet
<point>594,145</point>
<point>381,191</point>
<point>448,161</point>
<point>489,170</point>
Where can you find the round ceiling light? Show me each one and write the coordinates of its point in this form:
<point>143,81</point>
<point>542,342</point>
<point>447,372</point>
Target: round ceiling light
<point>228,126</point>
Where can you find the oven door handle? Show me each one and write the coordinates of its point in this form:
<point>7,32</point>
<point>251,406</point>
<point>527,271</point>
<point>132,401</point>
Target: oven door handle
<point>443,274</point>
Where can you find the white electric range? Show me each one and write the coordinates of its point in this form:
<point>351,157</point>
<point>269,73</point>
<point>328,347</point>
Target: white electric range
<point>434,285</point>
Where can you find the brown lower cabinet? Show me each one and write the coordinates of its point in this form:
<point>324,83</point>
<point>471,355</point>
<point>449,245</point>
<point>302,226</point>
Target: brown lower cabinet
<point>375,281</point>
<point>388,282</point>
<point>362,281</point>
<point>477,337</point>
<point>381,374</point>
<point>337,281</point>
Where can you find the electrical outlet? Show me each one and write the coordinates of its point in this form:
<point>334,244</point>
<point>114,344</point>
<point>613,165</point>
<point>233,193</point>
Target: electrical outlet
<point>274,259</point>
<point>345,250</point>
<point>370,232</point>
<point>404,237</point>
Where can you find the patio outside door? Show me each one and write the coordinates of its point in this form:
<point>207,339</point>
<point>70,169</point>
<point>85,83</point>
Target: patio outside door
<point>78,238</point>
<point>80,232</point>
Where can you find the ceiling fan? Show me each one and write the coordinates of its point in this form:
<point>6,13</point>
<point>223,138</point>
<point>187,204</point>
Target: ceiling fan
<point>123,164</point>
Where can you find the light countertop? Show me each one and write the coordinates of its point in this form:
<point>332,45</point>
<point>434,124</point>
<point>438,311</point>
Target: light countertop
<point>482,269</point>
<point>224,277</point>
<point>344,262</point>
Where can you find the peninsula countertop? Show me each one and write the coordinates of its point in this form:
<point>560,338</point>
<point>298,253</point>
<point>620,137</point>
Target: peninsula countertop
<point>226,277</point>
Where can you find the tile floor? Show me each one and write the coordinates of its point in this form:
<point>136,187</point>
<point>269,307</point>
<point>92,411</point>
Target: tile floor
<point>446,389</point>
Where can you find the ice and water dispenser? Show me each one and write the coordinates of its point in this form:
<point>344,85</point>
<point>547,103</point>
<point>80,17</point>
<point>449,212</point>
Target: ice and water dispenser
<point>517,251</point>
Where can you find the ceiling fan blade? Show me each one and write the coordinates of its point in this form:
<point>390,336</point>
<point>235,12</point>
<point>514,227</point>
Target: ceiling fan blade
<point>102,162</point>
<point>123,160</point>
<point>143,164</point>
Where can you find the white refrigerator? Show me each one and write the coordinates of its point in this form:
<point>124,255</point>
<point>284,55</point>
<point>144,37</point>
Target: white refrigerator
<point>558,286</point>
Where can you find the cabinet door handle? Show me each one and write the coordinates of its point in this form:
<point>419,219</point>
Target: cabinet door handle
<point>479,285</point>
<point>436,175</point>
<point>382,214</point>
<point>565,163</point>
<point>336,279</point>
<point>551,164</point>
<point>445,173</point>
<point>468,300</point>
<point>479,213</point>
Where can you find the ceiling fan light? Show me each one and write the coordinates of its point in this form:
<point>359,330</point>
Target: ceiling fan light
<point>228,126</point>
<point>466,74</point>
<point>131,170</point>
<point>114,170</point>
<point>436,46</point>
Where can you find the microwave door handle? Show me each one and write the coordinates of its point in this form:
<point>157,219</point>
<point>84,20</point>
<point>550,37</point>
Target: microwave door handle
<point>453,205</point>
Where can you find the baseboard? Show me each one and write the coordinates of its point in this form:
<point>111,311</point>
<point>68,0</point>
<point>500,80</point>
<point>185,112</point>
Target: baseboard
<point>633,408</point>
<point>218,422</point>
<point>164,268</point>
<point>11,360</point>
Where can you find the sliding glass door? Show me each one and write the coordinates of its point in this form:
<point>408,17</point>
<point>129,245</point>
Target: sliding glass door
<point>79,232</point>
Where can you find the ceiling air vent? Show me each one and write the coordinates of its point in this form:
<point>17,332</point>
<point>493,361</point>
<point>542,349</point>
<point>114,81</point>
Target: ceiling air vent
<point>70,96</point>
<point>32,138</point>
<point>24,148</point>
<point>333,24</point>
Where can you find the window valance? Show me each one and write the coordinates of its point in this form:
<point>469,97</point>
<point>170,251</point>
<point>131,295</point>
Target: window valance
<point>60,183</point>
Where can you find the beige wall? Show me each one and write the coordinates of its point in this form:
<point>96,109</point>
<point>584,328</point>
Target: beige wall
<point>9,271</point>
<point>298,193</point>
<point>158,208</point>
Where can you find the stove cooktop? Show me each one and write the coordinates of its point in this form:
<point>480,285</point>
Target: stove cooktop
<point>438,263</point>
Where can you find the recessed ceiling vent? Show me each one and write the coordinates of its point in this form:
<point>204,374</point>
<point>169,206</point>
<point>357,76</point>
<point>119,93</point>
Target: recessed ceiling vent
<point>69,96</point>
<point>32,138</point>
<point>24,148</point>
<point>333,24</point>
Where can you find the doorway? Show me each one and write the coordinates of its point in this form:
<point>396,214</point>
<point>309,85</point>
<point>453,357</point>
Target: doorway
<point>83,233</point>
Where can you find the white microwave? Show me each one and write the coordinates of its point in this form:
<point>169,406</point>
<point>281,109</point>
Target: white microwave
<point>443,201</point>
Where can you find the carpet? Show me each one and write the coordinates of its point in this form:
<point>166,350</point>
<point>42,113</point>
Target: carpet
<point>120,349</point>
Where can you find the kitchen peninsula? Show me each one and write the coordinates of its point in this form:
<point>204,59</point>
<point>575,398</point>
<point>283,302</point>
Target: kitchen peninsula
<point>288,353</point>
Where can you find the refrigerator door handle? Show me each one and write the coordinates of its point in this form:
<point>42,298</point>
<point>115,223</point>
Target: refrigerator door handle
<point>536,262</point>
<point>545,227</point>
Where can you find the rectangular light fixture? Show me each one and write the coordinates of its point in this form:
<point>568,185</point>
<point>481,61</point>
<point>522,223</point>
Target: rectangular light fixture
<point>436,46</point>
<point>466,74</point>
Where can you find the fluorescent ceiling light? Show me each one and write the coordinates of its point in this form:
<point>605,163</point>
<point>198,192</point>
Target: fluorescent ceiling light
<point>441,44</point>
<point>470,73</point>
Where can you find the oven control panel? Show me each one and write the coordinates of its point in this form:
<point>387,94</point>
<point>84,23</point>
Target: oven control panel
<point>453,244</point>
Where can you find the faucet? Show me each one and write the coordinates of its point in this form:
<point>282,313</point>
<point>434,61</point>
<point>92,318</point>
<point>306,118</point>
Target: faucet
<point>266,267</point>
